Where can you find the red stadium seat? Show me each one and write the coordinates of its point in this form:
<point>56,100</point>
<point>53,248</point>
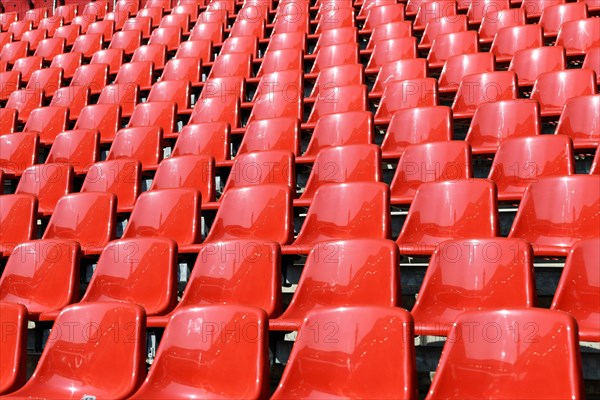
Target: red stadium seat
<point>595,168</point>
<point>553,89</point>
<point>156,114</point>
<point>351,278</point>
<point>535,8</point>
<point>188,171</point>
<point>344,367</point>
<point>207,31</point>
<point>474,358</point>
<point>334,100</point>
<point>457,67</point>
<point>471,275</point>
<point>139,72</point>
<point>47,122</point>
<point>18,217</point>
<point>175,373</point>
<point>272,134</point>
<point>103,118</point>
<point>578,121</point>
<point>43,275</point>
<point>69,33</point>
<point>401,95</point>
<point>47,79</point>
<point>148,218</point>
<point>88,218</point>
<point>155,53</point>
<point>27,66</point>
<point>521,161</point>
<point>551,220</point>
<point>492,23</point>
<point>75,98</point>
<point>210,138</point>
<point>69,62</point>
<point>106,28</point>
<point>258,263</point>
<point>54,375</point>
<point>177,92</point>
<point>18,28</point>
<point>330,56</point>
<point>357,210</point>
<point>443,26</point>
<point>94,76</point>
<point>403,48</point>
<point>415,126</point>
<point>429,162</point>
<point>464,209</point>
<point>553,17</point>
<point>479,10</point>
<point>124,94</point>
<point>477,89</point>
<point>18,152</point>
<point>78,148</point>
<point>128,41</point>
<point>33,37</point>
<point>8,120</point>
<point>13,321</point>
<point>281,60</point>
<point>342,164</point>
<point>433,11</point>
<point>384,14</point>
<point>452,44</point>
<point>592,61</point>
<point>579,36</point>
<point>186,69</point>
<point>48,182</point>
<point>528,64</point>
<point>235,64</point>
<point>390,30</point>
<point>143,143</point>
<point>511,39</point>
<point>25,101</point>
<point>577,291</point>
<point>400,70</point>
<point>87,44</point>
<point>170,37</point>
<point>217,109</point>
<point>120,177</point>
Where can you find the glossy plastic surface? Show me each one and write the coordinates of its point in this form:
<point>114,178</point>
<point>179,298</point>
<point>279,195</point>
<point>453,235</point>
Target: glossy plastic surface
<point>509,40</point>
<point>78,148</point>
<point>195,363</point>
<point>401,95</point>
<point>452,44</point>
<point>469,275</point>
<point>168,213</point>
<point>429,162</point>
<point>191,171</point>
<point>579,36</point>
<point>210,138</point>
<point>48,182</point>
<point>18,151</point>
<point>578,121</point>
<point>440,211</point>
<point>101,336</point>
<point>552,218</point>
<point>523,339</point>
<point>120,177</point>
<point>521,161</point>
<point>384,51</point>
<point>143,144</point>
<point>13,321</point>
<point>281,134</point>
<point>487,87</point>
<point>457,67</point>
<point>579,288</point>
<point>553,89</point>
<point>344,273</point>
<point>18,220</point>
<point>346,358</point>
<point>88,218</point>
<point>43,275</point>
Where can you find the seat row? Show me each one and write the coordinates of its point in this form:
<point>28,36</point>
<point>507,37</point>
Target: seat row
<point>338,352</point>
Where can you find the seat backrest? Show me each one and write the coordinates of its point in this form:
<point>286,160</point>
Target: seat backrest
<point>193,171</point>
<point>169,213</point>
<point>343,360</point>
<point>88,218</point>
<point>90,323</point>
<point>578,291</point>
<point>476,354</point>
<point>272,134</point>
<point>203,359</point>
<point>17,151</point>
<point>141,271</point>
<point>18,217</point>
<point>262,168</point>
<point>486,87</point>
<point>48,182</point>
<point>78,148</point>
<point>140,143</point>
<point>400,95</point>
<point>121,177</point>
<point>461,209</point>
<point>552,220</point>
<point>43,275</point>
<point>341,129</point>
<point>13,321</point>
<point>577,121</point>
<point>211,138</point>
<point>266,215</point>
<point>553,89</point>
<point>465,275</point>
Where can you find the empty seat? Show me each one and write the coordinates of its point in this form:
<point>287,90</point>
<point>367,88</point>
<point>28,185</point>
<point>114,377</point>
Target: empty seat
<point>10,81</point>
<point>217,87</point>
<point>25,101</point>
<point>235,64</point>
<point>580,35</point>
<point>595,168</point>
<point>78,148</point>
<point>491,125</point>
<point>124,94</point>
<point>224,109</point>
<point>120,177</point>
<point>128,41</point>
<point>103,118</point>
<point>337,100</point>
<point>340,129</point>
<point>106,28</point>
<point>94,76</point>
<point>266,215</point>
<point>519,342</point>
<point>47,79</point>
<point>8,121</point>
<point>400,95</point>
<point>168,213</point>
<point>48,182</point>
<point>357,210</point>
<point>347,268</point>
<point>342,164</point>
<point>47,122</point>
<point>186,69</point>
<point>552,220</point>
<point>11,52</point>
<point>391,30</point>
<point>472,275</point>
<point>553,17</point>
<point>578,121</point>
<point>88,218</point>
<point>592,61</point>
<point>155,53</point>
<point>511,39</point>
<point>286,102</point>
<point>112,57</point>
<point>210,138</point>
<point>461,209</point>
<point>434,11</point>
<point>207,31</point>
<point>477,89</point>
<point>257,262</point>
<point>452,44</point>
<point>74,98</point>
<point>479,10</point>
<point>143,144</point>
<point>177,92</point>
<point>457,67</point>
<point>528,64</point>
<point>521,161</point>
<point>138,72</point>
<point>106,333</point>
<point>383,14</point>
<point>18,151</point>
<point>494,21</point>
<point>429,162</point>
<point>87,44</point>
<point>553,89</point>
<point>43,275</point>
<point>415,126</point>
<point>330,56</point>
<point>404,48</point>
<point>155,114</point>
<point>535,8</point>
<point>191,171</point>
<point>18,217</point>
<point>186,362</point>
<point>433,29</point>
<point>341,364</point>
<point>578,288</point>
<point>272,134</point>
<point>13,365</point>
<point>69,62</point>
<point>33,37</point>
<point>341,75</point>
